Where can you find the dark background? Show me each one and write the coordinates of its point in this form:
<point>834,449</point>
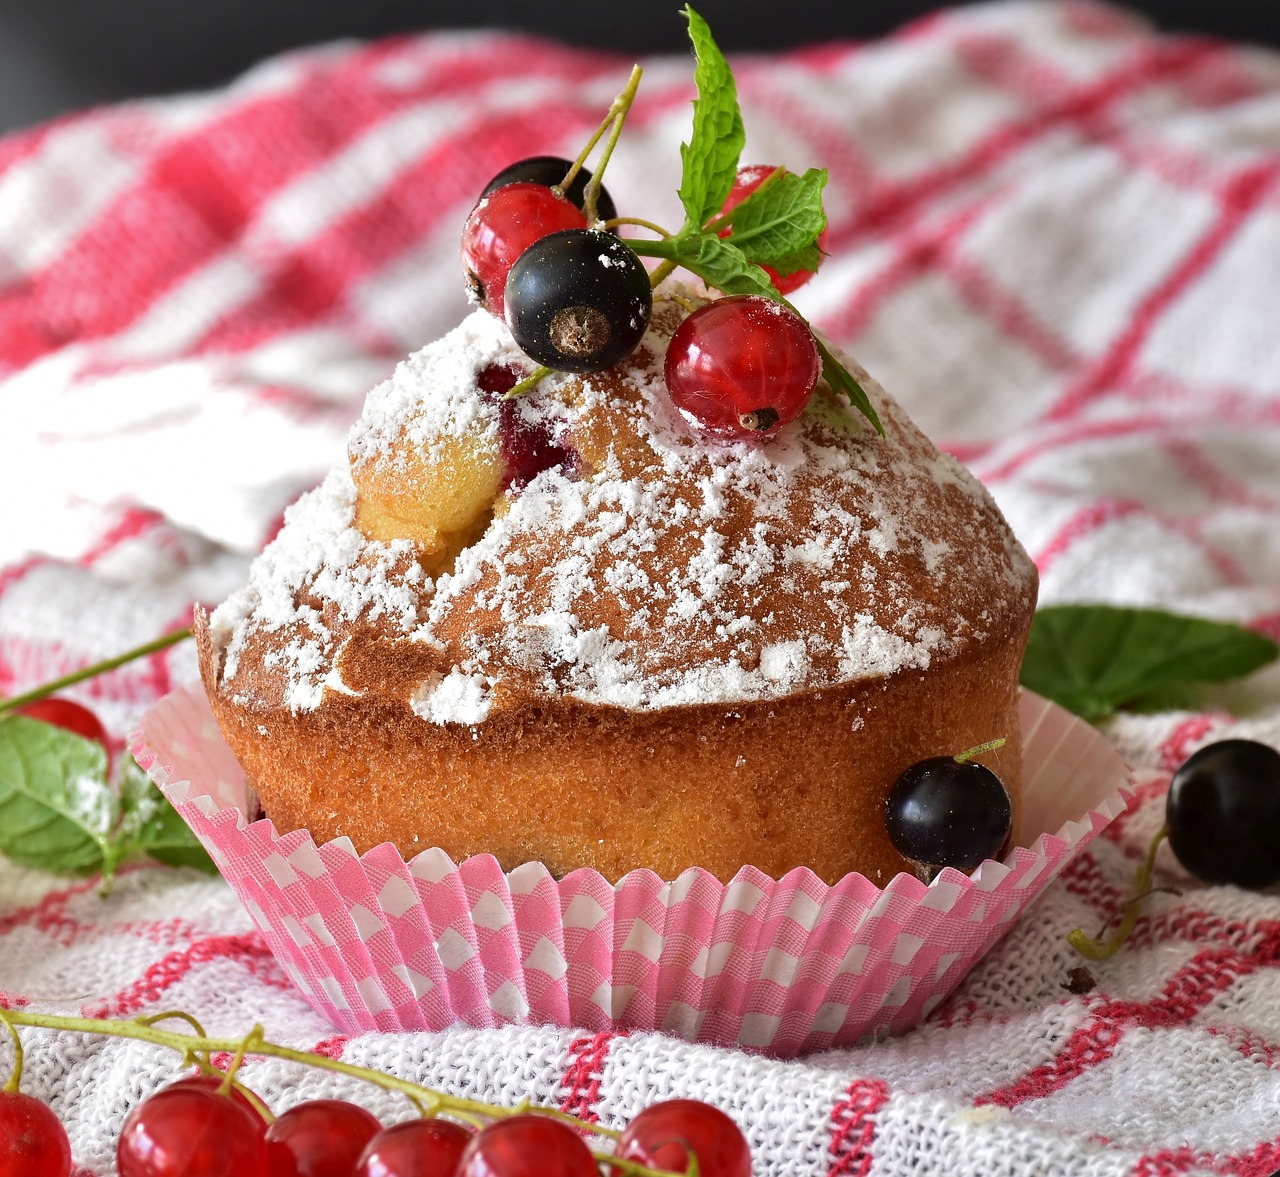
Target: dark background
<point>59,55</point>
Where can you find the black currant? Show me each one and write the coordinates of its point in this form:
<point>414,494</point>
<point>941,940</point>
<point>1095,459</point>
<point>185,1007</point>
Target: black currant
<point>946,811</point>
<point>550,170</point>
<point>1223,813</point>
<point>578,300</point>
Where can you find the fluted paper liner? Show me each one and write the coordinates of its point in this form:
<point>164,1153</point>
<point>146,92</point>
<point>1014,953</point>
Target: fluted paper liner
<point>784,966</point>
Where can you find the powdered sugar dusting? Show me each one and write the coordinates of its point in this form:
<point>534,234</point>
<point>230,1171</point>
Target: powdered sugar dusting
<point>652,571</point>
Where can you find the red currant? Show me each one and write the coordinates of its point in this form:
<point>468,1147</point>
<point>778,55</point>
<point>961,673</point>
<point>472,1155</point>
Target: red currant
<point>528,447</point>
<point>501,227</point>
<point>207,1082</point>
<point>527,1145</point>
<point>665,1135</point>
<point>186,1130</point>
<point>67,714</point>
<point>320,1138</point>
<point>748,180</point>
<point>32,1141</point>
<point>742,367</point>
<point>417,1148</point>
<point>550,170</point>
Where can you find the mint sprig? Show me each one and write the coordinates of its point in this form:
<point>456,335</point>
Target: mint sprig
<point>778,224</point>
<point>59,813</point>
<point>1096,659</point>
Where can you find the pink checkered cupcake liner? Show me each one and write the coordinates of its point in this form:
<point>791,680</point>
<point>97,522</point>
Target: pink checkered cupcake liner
<point>783,966</point>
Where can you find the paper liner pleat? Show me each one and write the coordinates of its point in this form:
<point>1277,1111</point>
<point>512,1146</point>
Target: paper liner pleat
<point>785,966</point>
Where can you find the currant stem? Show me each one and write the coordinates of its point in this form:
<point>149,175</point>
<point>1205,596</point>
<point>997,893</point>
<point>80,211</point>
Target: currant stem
<point>198,1047</point>
<point>170,639</point>
<point>621,105</point>
<point>15,1079</point>
<point>614,222</point>
<point>1095,948</point>
<point>969,753</point>
<point>528,384</point>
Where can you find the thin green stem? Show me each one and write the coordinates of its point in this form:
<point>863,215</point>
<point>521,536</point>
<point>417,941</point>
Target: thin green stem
<point>618,116</point>
<point>15,1079</point>
<point>198,1046</point>
<point>605,124</point>
<point>170,639</point>
<point>528,384</point>
<point>970,753</point>
<point>614,222</point>
<point>661,272</point>
<point>1095,948</point>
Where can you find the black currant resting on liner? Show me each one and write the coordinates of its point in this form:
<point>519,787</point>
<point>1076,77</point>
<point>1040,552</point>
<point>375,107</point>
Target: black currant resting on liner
<point>578,300</point>
<point>1223,814</point>
<point>550,170</point>
<point>948,811</point>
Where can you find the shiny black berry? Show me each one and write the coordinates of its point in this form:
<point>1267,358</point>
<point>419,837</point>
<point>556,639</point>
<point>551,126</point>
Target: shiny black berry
<point>578,300</point>
<point>1223,813</point>
<point>948,812</point>
<point>550,170</point>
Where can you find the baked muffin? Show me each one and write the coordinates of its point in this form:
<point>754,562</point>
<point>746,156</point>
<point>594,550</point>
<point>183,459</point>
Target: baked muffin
<point>564,628</point>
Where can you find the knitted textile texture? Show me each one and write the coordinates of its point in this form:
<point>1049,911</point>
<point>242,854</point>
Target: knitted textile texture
<point>1055,238</point>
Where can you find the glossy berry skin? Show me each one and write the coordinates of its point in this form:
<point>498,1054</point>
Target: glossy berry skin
<point>320,1138</point>
<point>549,170</point>
<point>943,812</point>
<point>501,227</point>
<point>527,1145</point>
<point>1223,813</point>
<point>213,1083</point>
<point>578,301</point>
<point>750,178</point>
<point>33,1143</point>
<point>663,1135</point>
<point>416,1148</point>
<point>741,368</point>
<point>186,1131</point>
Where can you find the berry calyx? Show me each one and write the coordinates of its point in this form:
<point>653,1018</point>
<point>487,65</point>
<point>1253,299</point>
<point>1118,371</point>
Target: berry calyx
<point>748,179</point>
<point>33,1142</point>
<point>416,1148</point>
<point>320,1138</point>
<point>670,1134</point>
<point>550,171</point>
<point>1223,813</point>
<point>186,1131</point>
<point>501,227</point>
<point>742,367</point>
<point>578,301</point>
<point>948,811</point>
<point>527,1145</point>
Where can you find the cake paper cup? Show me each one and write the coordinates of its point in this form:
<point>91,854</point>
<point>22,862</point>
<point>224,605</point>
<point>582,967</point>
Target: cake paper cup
<point>785,966</point>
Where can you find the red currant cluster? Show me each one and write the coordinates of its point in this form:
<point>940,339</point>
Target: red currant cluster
<point>578,299</point>
<point>209,1125</point>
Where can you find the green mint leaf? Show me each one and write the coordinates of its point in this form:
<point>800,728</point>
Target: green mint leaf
<point>1095,659</point>
<point>56,808</point>
<point>842,383</point>
<point>782,218</point>
<point>150,825</point>
<point>716,260</point>
<point>710,158</point>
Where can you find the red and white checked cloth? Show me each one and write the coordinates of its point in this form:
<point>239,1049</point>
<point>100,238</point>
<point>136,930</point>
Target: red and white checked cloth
<point>1055,236</point>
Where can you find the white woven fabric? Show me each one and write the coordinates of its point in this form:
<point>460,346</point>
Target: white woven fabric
<point>1055,237</point>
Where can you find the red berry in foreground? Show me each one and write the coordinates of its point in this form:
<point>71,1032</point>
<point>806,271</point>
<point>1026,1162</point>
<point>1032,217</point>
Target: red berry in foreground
<point>501,227</point>
<point>417,1148</point>
<point>527,1145</point>
<point>320,1138</point>
<point>664,1135</point>
<point>213,1083</point>
<point>188,1131</point>
<point>750,178</point>
<point>742,367</point>
<point>948,812</point>
<point>32,1141</point>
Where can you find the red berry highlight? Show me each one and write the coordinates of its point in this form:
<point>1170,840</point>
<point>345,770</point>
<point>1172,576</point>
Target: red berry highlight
<point>665,1135</point>
<point>32,1141</point>
<point>417,1148</point>
<point>188,1131</point>
<point>742,367</point>
<point>750,178</point>
<point>527,1145</point>
<point>320,1138</point>
<point>501,227</point>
